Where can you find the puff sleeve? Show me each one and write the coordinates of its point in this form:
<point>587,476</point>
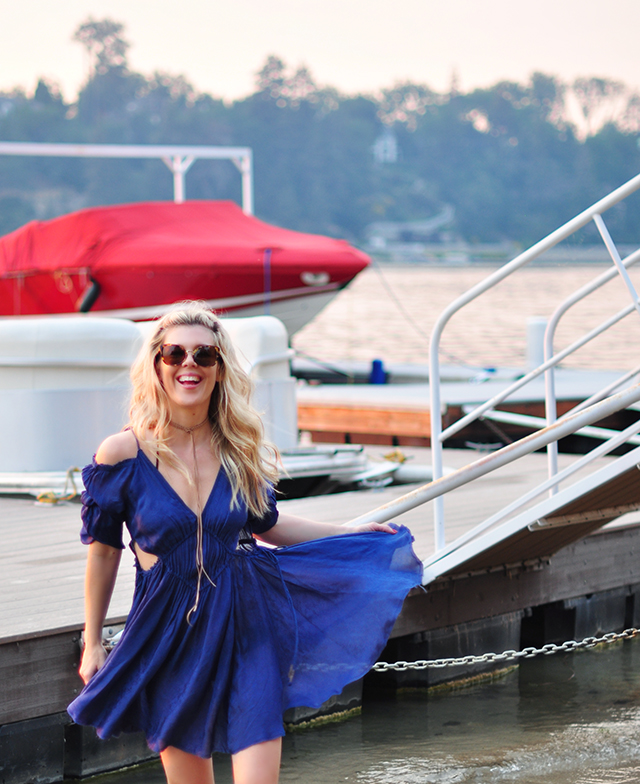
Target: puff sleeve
<point>104,503</point>
<point>260,525</point>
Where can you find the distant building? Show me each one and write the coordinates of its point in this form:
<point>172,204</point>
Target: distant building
<point>6,105</point>
<point>383,234</point>
<point>385,147</point>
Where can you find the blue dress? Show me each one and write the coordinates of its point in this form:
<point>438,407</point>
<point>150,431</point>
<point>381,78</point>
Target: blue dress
<point>281,628</point>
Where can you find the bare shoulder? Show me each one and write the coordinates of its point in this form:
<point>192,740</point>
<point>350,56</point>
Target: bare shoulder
<point>116,448</point>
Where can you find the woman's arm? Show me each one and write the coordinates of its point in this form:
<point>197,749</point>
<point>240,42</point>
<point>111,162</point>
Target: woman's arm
<point>291,529</point>
<point>102,568</point>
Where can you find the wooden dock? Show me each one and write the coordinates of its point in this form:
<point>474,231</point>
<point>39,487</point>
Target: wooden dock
<point>399,414</point>
<point>592,584</point>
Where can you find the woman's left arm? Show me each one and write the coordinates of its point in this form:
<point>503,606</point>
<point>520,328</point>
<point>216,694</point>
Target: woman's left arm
<point>291,529</point>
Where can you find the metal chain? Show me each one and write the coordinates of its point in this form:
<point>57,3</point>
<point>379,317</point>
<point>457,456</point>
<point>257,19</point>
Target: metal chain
<point>525,653</point>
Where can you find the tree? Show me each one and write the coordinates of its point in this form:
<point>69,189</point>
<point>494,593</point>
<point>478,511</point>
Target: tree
<point>599,101</point>
<point>104,43</point>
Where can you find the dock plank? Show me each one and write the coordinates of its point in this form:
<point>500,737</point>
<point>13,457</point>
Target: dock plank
<point>369,419</point>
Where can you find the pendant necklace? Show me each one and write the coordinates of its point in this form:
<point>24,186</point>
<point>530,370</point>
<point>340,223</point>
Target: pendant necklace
<point>200,533</point>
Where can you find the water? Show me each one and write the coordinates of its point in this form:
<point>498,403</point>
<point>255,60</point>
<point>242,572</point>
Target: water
<point>563,719</point>
<point>388,313</point>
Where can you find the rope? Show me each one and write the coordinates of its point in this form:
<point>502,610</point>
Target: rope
<point>69,491</point>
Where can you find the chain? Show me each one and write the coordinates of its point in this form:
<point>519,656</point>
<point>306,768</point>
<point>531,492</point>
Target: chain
<point>525,653</point>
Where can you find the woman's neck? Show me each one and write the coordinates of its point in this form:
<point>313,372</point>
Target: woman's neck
<point>189,418</point>
<point>186,425</point>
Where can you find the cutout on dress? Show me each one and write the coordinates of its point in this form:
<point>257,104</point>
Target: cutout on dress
<point>146,560</point>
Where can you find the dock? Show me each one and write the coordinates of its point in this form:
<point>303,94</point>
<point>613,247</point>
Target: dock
<point>588,587</point>
<point>398,413</point>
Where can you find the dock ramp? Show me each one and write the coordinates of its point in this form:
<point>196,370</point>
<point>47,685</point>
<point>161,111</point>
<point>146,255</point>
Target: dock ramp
<point>530,538</point>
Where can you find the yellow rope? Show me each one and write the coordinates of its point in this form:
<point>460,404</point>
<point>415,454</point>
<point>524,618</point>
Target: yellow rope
<point>69,490</point>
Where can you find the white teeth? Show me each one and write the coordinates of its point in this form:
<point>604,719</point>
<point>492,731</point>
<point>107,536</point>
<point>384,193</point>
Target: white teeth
<point>188,378</point>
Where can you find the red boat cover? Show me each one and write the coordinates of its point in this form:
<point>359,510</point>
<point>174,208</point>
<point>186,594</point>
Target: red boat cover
<point>153,234</point>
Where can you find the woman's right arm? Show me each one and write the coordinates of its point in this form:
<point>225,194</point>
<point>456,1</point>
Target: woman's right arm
<point>102,569</point>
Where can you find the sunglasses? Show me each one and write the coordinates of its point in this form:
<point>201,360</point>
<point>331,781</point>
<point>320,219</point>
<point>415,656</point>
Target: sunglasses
<point>205,356</point>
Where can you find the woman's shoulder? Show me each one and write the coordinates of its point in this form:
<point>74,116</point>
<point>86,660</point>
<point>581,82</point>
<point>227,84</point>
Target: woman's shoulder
<point>116,448</point>
<point>107,478</point>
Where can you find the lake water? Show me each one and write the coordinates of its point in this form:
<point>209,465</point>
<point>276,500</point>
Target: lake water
<point>388,312</point>
<point>562,719</point>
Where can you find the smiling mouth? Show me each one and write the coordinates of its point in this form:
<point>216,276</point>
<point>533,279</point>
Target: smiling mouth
<point>189,380</point>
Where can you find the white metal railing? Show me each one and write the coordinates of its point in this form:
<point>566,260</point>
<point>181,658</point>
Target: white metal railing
<point>179,159</point>
<point>619,267</point>
<point>438,435</point>
<point>484,465</point>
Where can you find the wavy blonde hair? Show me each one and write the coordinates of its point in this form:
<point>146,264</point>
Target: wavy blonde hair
<point>237,434</point>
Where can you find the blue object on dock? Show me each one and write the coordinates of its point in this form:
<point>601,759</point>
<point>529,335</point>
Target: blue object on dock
<point>378,374</point>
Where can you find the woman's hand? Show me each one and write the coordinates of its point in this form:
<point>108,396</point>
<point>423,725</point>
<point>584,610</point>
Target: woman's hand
<point>93,657</point>
<point>371,527</point>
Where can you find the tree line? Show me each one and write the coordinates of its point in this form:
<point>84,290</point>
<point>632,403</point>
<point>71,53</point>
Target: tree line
<point>514,160</point>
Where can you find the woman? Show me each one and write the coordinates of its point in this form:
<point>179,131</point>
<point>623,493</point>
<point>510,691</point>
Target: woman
<point>223,634</point>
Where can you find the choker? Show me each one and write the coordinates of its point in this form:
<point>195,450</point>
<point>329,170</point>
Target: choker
<point>189,429</point>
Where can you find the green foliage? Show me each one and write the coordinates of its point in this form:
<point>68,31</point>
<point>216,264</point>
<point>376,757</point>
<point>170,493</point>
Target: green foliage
<point>508,158</point>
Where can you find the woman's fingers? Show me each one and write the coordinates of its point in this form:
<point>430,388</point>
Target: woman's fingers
<point>375,527</point>
<point>92,661</point>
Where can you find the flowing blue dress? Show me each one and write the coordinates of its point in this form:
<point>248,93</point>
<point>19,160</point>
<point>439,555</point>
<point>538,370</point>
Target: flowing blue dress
<point>281,628</point>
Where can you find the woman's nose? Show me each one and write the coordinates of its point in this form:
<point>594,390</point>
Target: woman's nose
<point>189,358</point>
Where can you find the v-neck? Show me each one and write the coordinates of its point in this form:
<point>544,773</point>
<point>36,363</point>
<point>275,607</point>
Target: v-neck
<point>172,489</point>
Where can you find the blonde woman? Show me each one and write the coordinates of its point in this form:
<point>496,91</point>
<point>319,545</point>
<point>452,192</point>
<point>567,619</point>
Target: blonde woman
<point>223,634</point>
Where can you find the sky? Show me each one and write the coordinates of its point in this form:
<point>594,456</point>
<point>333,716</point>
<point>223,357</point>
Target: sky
<point>353,45</point>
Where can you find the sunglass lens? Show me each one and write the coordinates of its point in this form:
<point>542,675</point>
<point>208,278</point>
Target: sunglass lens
<point>173,355</point>
<point>206,356</point>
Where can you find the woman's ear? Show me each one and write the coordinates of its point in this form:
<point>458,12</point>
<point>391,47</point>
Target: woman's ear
<point>156,367</point>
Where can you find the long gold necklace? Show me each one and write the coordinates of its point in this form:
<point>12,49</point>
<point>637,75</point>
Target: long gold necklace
<point>200,532</point>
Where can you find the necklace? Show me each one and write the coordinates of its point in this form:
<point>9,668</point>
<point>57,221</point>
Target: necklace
<point>189,430</point>
<point>199,533</point>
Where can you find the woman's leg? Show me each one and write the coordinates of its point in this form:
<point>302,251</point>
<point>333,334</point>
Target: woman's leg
<point>259,764</point>
<point>182,768</point>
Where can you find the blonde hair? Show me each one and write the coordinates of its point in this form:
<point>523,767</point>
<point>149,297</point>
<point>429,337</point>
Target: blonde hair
<point>237,434</point>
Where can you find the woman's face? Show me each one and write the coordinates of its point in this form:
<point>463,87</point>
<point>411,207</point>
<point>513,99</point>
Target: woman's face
<point>188,385</point>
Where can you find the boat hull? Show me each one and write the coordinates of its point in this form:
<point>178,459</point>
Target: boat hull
<point>135,261</point>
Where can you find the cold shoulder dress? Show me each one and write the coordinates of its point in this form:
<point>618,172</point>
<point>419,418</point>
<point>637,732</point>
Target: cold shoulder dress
<point>282,627</point>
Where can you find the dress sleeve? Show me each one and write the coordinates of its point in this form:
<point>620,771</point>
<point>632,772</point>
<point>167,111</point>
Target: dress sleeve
<point>260,525</point>
<point>104,503</point>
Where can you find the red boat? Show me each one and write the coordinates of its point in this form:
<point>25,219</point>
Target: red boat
<point>135,260</point>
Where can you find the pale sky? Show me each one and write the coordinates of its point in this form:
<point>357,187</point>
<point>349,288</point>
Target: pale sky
<point>354,45</point>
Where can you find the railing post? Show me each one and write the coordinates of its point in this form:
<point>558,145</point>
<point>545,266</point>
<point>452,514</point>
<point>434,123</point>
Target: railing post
<point>551,409</point>
<point>436,432</point>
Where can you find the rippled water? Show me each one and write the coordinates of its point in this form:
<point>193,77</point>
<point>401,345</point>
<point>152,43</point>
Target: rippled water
<point>564,719</point>
<point>388,312</point>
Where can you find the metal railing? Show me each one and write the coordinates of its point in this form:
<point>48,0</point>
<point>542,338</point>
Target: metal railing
<point>594,409</point>
<point>438,435</point>
<point>178,158</point>
<point>484,465</point>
